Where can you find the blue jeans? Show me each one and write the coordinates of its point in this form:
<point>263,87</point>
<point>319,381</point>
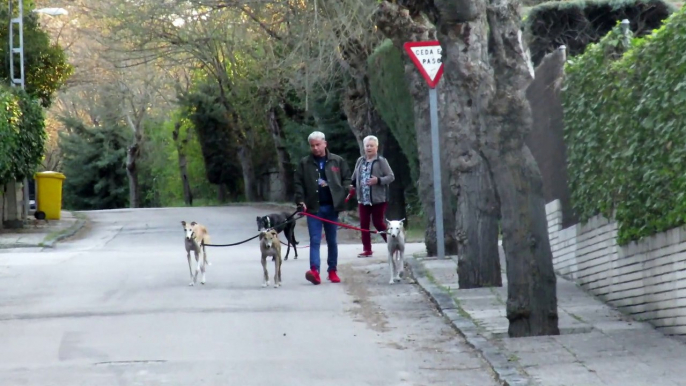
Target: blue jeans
<point>314,227</point>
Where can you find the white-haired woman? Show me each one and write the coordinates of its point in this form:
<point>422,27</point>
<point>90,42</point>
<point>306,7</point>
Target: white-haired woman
<point>371,177</point>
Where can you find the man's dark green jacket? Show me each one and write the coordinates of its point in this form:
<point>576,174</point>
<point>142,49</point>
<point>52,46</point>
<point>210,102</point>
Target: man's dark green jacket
<point>306,187</point>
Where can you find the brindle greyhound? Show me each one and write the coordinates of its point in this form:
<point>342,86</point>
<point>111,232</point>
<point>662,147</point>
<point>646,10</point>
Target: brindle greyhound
<point>271,220</point>
<point>271,246</point>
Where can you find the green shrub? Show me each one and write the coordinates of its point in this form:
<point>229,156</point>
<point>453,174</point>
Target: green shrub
<point>94,164</point>
<point>625,128</point>
<point>162,159</point>
<point>22,134</point>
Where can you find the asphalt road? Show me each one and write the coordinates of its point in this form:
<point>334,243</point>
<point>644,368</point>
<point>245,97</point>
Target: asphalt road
<point>114,308</point>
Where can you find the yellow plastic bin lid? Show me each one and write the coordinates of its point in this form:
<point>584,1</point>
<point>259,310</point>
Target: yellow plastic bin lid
<point>48,174</point>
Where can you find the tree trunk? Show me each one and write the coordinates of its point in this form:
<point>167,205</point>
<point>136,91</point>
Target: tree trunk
<point>397,25</point>
<point>245,157</point>
<point>249,178</point>
<point>183,163</point>
<point>359,110</point>
<point>221,192</point>
<point>532,295</point>
<point>132,154</point>
<point>365,120</point>
<point>397,208</point>
<point>465,73</point>
<point>285,174</point>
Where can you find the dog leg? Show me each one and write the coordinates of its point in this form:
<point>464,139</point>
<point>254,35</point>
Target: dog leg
<point>401,264</point>
<point>279,272</point>
<point>295,243</point>
<point>277,268</point>
<point>197,267</point>
<point>190,268</point>
<point>391,267</point>
<point>203,261</point>
<point>207,262</point>
<point>266,274</point>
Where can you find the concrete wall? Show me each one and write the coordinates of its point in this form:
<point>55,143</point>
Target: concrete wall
<point>12,210</point>
<point>646,279</point>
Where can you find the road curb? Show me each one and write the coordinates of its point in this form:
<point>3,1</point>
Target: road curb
<point>71,231</point>
<point>506,373</point>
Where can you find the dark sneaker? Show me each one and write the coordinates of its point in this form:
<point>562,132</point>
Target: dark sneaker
<point>313,277</point>
<point>333,277</point>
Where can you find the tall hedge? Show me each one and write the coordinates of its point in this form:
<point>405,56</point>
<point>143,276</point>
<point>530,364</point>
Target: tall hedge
<point>392,99</point>
<point>625,128</point>
<point>22,134</point>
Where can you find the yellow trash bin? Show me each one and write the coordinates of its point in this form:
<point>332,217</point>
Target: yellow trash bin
<point>49,194</point>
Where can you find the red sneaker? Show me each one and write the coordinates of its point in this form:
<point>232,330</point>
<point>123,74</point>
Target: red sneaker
<point>333,277</point>
<point>365,254</point>
<point>313,277</point>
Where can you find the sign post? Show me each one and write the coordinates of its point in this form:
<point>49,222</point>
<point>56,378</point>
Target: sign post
<point>427,57</point>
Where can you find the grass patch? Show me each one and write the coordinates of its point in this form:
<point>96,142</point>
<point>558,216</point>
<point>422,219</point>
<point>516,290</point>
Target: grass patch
<point>460,310</point>
<point>577,317</point>
<point>59,233</point>
<point>513,358</point>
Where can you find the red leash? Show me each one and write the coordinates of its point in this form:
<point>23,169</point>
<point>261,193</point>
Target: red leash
<point>335,223</point>
<point>339,224</point>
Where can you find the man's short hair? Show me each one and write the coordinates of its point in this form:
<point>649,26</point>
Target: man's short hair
<point>316,135</point>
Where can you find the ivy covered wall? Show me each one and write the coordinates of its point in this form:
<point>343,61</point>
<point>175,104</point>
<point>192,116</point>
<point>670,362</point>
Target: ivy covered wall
<point>625,127</point>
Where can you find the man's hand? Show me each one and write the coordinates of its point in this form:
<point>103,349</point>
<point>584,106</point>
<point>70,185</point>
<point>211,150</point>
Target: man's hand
<point>302,207</point>
<point>373,181</point>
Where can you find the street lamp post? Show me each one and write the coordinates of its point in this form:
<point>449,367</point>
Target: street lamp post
<point>19,50</point>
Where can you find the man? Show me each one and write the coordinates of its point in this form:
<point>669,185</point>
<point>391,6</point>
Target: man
<point>319,184</point>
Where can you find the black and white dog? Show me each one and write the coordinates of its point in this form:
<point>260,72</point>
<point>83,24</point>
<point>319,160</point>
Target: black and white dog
<point>276,221</point>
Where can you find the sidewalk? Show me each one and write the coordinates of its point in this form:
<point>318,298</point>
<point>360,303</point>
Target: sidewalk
<point>41,233</point>
<point>597,345</point>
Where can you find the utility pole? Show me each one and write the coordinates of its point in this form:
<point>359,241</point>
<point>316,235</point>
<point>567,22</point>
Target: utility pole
<point>18,50</point>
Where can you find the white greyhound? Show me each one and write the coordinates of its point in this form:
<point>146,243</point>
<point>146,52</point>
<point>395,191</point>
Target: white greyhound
<point>396,249</point>
<point>196,236</point>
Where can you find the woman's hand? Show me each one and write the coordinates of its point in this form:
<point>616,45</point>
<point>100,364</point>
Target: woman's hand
<point>373,181</point>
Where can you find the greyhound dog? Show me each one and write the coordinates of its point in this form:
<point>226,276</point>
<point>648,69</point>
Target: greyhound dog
<point>396,249</point>
<point>274,219</point>
<point>271,246</point>
<point>195,240</point>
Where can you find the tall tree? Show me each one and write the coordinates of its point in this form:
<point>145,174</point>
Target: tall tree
<point>497,76</point>
<point>477,206</point>
<point>181,143</point>
<point>94,158</point>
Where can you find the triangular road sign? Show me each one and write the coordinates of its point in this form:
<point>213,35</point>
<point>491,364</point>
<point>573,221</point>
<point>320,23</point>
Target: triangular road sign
<point>427,57</point>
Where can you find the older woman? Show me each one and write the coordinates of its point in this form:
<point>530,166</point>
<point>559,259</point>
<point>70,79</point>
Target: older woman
<point>371,178</point>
